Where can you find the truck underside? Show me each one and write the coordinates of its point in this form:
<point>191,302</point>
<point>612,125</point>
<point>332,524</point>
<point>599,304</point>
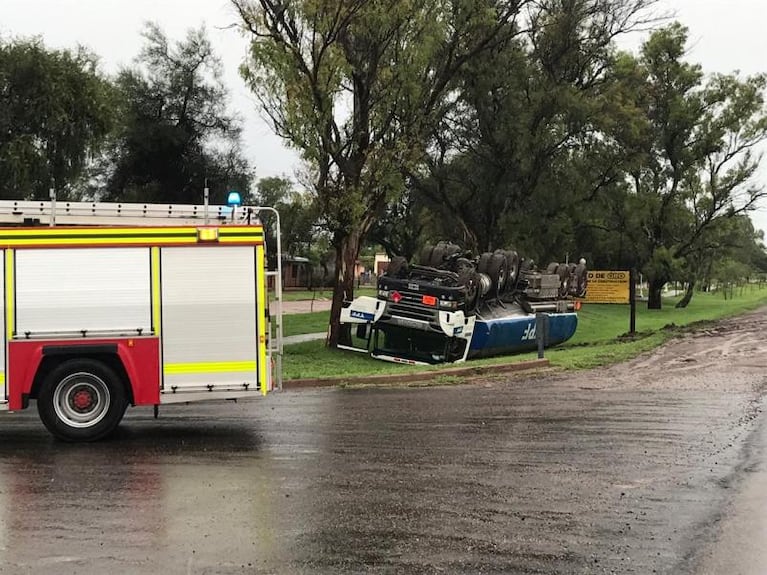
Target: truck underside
<point>451,307</point>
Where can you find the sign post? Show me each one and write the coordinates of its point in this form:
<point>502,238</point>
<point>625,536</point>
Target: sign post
<point>613,286</point>
<point>541,332</point>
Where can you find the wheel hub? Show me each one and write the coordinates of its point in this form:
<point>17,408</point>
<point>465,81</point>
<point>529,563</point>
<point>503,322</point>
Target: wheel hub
<point>83,400</point>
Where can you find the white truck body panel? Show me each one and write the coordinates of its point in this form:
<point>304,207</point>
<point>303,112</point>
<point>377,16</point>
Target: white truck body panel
<point>209,330</point>
<point>65,291</point>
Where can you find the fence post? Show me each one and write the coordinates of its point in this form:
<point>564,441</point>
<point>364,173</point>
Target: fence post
<point>541,332</point>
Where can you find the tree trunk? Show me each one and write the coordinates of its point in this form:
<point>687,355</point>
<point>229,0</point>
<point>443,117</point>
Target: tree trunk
<point>682,303</point>
<point>347,250</point>
<point>655,288</point>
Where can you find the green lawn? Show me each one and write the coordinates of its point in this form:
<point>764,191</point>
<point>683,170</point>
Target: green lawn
<point>298,323</point>
<point>601,322</point>
<point>596,342</point>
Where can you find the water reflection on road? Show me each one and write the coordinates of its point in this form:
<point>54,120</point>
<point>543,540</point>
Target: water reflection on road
<point>182,493</point>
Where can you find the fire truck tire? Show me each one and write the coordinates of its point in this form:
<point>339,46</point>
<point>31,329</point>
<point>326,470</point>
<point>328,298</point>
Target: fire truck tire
<point>573,286</point>
<point>582,276</point>
<point>564,280</point>
<point>468,277</point>
<point>503,281</point>
<point>82,400</point>
<point>452,250</point>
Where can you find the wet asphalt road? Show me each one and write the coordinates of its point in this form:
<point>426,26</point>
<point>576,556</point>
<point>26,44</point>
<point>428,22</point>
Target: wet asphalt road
<point>641,468</point>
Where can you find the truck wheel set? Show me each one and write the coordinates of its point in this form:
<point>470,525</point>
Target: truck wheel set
<point>493,274</point>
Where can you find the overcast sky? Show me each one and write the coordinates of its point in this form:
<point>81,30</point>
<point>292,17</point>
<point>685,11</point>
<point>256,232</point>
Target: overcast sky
<point>726,35</point>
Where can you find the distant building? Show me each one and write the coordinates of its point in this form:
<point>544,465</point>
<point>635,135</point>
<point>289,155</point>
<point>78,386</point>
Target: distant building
<point>296,272</point>
<point>380,263</point>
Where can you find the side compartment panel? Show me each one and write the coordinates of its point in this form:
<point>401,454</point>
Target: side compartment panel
<point>209,337</point>
<point>93,289</point>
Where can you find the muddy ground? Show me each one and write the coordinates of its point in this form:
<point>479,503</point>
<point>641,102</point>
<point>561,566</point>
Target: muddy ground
<point>644,467</point>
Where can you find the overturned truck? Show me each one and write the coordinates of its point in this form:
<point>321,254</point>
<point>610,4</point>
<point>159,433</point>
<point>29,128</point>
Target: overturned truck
<point>452,306</point>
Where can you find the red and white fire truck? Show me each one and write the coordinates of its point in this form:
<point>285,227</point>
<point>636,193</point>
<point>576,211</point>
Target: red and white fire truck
<point>131,304</point>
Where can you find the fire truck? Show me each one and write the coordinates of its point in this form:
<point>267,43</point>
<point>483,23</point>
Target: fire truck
<point>109,305</point>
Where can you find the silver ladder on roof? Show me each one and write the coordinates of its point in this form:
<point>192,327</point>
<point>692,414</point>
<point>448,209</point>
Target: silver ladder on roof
<point>51,213</point>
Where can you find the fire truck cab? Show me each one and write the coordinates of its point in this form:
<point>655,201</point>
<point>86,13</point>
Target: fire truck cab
<point>131,304</point>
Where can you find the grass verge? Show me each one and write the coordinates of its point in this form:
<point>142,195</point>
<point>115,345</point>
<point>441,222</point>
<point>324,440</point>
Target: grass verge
<point>299,323</point>
<point>597,342</point>
<point>320,293</point>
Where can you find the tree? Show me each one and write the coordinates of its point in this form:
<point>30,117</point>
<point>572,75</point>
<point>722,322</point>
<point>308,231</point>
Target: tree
<point>401,228</point>
<point>298,216</point>
<point>357,86</point>
<point>176,136</point>
<point>55,111</point>
<point>695,151</point>
<point>732,240</point>
<point>534,136</point>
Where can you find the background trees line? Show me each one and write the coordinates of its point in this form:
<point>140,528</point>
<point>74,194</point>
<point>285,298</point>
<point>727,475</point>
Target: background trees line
<point>155,132</point>
<point>491,123</point>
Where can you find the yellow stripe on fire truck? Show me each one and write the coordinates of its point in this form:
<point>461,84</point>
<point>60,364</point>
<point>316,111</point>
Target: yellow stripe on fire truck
<point>10,296</point>
<point>209,367</point>
<point>263,373</point>
<point>159,236</point>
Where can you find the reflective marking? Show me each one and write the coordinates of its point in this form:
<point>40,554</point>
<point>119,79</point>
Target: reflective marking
<point>263,376</point>
<point>10,303</point>
<point>209,367</point>
<point>61,237</point>
<point>156,290</point>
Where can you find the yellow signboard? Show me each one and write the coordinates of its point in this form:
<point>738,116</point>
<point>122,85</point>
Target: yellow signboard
<point>607,287</point>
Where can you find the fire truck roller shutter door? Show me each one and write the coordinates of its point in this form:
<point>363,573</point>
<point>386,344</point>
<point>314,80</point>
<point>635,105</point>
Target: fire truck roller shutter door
<point>209,337</point>
<point>92,289</point>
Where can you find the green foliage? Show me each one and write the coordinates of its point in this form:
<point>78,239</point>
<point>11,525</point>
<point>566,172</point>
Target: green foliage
<point>298,216</point>
<point>696,161</point>
<point>55,111</point>
<point>535,135</point>
<point>175,134</point>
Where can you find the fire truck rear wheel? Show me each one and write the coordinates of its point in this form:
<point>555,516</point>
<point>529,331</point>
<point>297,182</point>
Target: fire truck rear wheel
<point>82,400</point>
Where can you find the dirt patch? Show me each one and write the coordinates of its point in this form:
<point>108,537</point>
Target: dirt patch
<point>730,354</point>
